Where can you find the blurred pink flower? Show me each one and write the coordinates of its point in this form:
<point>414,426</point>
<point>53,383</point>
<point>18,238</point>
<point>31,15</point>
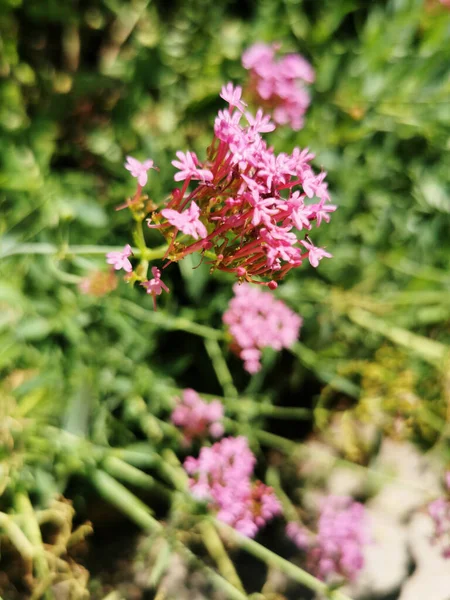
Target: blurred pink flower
<point>196,417</point>
<point>277,84</point>
<point>222,475</point>
<point>257,320</point>
<point>336,550</point>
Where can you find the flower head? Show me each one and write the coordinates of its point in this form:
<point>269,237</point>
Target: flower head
<point>119,259</point>
<point>222,475</point>
<point>336,550</point>
<point>277,84</point>
<point>196,417</point>
<point>248,202</point>
<point>139,169</point>
<point>256,320</point>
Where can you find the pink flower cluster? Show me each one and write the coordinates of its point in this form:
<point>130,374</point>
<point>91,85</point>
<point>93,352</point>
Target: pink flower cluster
<point>278,84</point>
<point>248,204</point>
<point>222,474</point>
<point>439,511</point>
<point>256,320</point>
<point>336,550</point>
<point>196,417</point>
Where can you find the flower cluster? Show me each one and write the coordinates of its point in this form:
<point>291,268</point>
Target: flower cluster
<point>222,475</point>
<point>196,417</point>
<point>256,320</point>
<point>278,84</point>
<point>336,550</point>
<point>249,206</point>
<point>439,511</point>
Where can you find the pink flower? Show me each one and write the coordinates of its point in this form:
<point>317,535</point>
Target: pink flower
<point>196,417</point>
<point>336,550</point>
<point>155,286</point>
<point>320,212</point>
<point>277,84</point>
<point>257,55</point>
<point>187,164</point>
<point>315,254</point>
<point>439,511</point>
<point>256,320</point>
<point>188,221</point>
<point>232,95</point>
<point>294,66</point>
<point>300,215</point>
<point>222,474</point>
<point>119,260</point>
<point>298,534</point>
<point>138,169</point>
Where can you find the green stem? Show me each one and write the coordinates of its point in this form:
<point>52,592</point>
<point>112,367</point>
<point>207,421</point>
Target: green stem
<point>67,251</point>
<point>216,549</point>
<point>17,537</point>
<point>269,439</point>
<point>221,368</point>
<point>277,562</point>
<point>168,321</point>
<point>243,404</point>
<point>312,361</point>
<point>121,470</point>
<point>273,479</point>
<point>118,495</point>
<point>32,531</point>
<point>429,350</point>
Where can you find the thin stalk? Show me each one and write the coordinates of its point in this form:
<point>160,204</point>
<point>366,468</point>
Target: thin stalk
<point>216,549</point>
<point>279,443</point>
<point>121,470</point>
<point>168,321</point>
<point>33,532</point>
<point>17,537</point>
<point>221,368</point>
<point>118,495</point>
<point>279,563</point>
<point>273,479</point>
<point>429,350</point>
<point>253,406</point>
<point>311,360</point>
<point>67,251</point>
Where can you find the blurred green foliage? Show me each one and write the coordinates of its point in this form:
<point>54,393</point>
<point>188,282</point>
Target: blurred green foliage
<point>84,83</point>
